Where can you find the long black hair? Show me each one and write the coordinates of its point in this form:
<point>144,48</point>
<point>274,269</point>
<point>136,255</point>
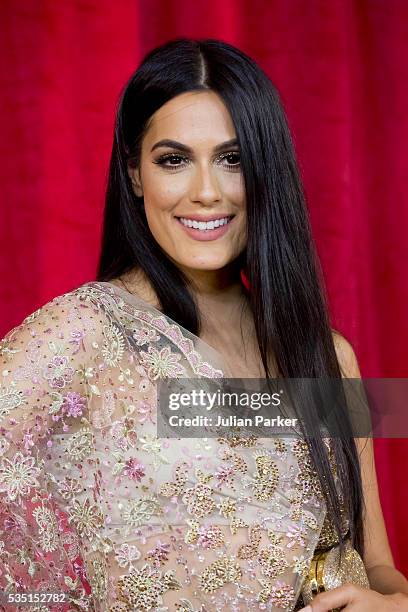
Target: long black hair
<point>287,296</point>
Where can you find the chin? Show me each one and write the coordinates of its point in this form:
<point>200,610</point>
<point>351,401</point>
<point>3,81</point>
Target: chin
<point>204,265</point>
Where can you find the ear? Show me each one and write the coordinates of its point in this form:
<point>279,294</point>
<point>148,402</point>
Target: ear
<point>134,176</point>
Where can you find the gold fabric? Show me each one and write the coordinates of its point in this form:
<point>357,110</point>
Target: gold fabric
<point>330,570</point>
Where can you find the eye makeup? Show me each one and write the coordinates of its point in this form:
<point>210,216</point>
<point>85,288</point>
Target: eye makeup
<point>166,157</point>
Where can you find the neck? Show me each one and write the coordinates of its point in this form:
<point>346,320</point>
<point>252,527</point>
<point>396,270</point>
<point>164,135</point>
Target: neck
<point>215,285</point>
<point>213,289</point>
<point>219,295</point>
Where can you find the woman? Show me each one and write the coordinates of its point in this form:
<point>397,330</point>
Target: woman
<point>207,270</point>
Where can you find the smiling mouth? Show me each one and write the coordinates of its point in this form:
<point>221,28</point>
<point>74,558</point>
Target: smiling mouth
<point>205,226</point>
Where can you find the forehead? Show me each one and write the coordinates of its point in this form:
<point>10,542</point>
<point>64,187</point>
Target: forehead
<point>192,117</point>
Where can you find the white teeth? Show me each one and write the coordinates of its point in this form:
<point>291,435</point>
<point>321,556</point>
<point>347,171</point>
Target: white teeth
<point>205,225</point>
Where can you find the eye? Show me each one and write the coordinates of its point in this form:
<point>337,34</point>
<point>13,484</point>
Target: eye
<point>170,160</point>
<point>233,158</point>
<point>174,161</point>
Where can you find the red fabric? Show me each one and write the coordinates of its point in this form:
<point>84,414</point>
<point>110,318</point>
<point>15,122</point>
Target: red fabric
<point>341,72</point>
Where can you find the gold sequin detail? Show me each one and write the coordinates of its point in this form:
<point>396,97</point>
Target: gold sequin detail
<point>266,478</point>
<point>143,588</point>
<point>219,573</point>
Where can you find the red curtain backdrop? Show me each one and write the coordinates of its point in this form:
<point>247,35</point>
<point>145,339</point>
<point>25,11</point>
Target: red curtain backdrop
<point>342,75</point>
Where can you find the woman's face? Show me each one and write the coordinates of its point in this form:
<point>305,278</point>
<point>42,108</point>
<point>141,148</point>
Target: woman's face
<point>190,175</point>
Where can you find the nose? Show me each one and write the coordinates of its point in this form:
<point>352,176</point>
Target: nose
<point>204,188</point>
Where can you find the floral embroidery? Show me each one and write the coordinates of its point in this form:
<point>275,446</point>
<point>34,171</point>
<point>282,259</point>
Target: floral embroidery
<point>98,578</point>
<point>174,488</point>
<point>74,404</point>
<point>151,444</point>
<point>225,475</point>
<point>272,560</point>
<point>86,517</point>
<point>206,536</point>
<point>210,536</point>
<point>162,364</point>
<point>124,433</point>
<point>30,369</point>
<point>267,478</point>
<point>69,487</point>
<point>296,536</point>
<point>280,594</point>
<point>80,444</point>
<point>18,475</point>
<point>9,400</point>
<point>228,507</point>
<point>127,520</point>
<point>145,410</point>
<point>133,469</point>
<point>58,373</point>
<point>143,588</point>
<point>127,554</point>
<point>48,528</point>
<point>144,335</point>
<point>138,511</point>
<point>219,573</point>
<point>159,554</point>
<point>198,500</point>
<point>301,565</point>
<point>113,345</point>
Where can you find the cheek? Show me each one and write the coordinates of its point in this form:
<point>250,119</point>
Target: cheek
<point>159,205</point>
<point>158,199</point>
<point>158,219</point>
<point>232,186</point>
<point>163,190</point>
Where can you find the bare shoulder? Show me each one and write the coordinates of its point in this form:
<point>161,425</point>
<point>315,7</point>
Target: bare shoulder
<point>346,356</point>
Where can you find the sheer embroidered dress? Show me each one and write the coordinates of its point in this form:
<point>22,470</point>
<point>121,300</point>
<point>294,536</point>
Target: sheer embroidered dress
<point>93,504</point>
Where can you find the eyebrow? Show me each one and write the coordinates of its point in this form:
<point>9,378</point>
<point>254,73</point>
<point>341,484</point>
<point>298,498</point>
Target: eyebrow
<point>182,147</point>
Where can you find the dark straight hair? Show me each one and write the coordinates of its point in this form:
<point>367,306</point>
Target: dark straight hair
<point>287,296</point>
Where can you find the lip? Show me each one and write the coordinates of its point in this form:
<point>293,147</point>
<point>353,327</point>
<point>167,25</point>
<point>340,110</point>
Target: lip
<point>204,236</point>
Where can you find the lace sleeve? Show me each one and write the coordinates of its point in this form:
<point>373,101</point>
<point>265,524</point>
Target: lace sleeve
<point>44,387</point>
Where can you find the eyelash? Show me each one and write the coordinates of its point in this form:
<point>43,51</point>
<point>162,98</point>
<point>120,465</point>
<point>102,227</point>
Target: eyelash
<point>163,158</point>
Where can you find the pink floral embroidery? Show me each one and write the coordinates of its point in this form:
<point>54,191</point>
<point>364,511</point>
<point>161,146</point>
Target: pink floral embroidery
<point>124,433</point>
<point>225,474</point>
<point>74,404</point>
<point>159,554</point>
<point>282,595</point>
<point>210,537</point>
<point>58,372</point>
<point>296,536</point>
<point>145,409</point>
<point>134,470</point>
<point>145,335</point>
